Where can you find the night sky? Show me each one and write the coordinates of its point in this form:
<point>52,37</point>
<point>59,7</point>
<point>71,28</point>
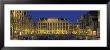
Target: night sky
<point>70,15</point>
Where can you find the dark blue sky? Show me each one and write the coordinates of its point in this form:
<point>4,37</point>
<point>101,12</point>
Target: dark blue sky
<point>71,15</point>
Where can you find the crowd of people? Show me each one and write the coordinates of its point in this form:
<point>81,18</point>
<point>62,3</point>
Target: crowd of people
<point>54,37</point>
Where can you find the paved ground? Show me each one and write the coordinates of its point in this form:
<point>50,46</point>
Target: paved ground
<point>55,37</point>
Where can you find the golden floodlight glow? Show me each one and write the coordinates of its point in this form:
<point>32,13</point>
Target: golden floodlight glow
<point>20,33</point>
<point>15,31</point>
<point>94,32</point>
<point>21,24</point>
<point>31,32</point>
<point>52,20</point>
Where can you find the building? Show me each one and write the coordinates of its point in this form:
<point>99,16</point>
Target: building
<point>94,22</point>
<point>17,18</point>
<point>23,25</point>
<point>88,23</point>
<point>52,26</point>
<point>20,23</point>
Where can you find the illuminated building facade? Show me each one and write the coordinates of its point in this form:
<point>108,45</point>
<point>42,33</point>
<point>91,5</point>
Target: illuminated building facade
<point>88,24</point>
<point>53,26</point>
<point>21,24</point>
